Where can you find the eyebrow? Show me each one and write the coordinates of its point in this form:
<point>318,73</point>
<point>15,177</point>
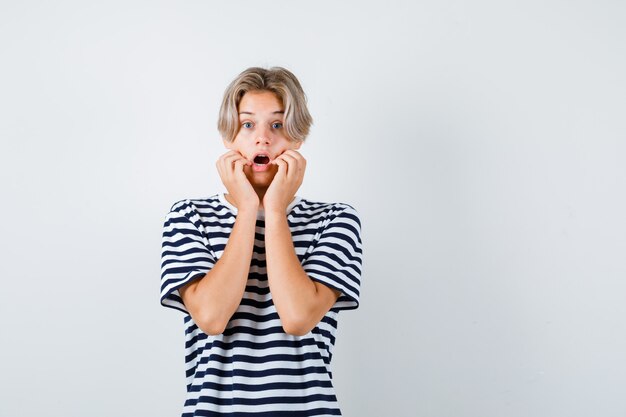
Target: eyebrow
<point>250,113</point>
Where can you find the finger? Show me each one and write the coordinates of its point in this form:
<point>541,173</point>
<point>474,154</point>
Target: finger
<point>230,160</point>
<point>238,165</point>
<point>223,163</point>
<point>231,154</point>
<point>282,167</point>
<point>243,160</point>
<point>294,166</point>
<point>290,164</point>
<point>227,165</point>
<point>281,159</point>
<point>294,153</point>
<point>227,155</point>
<point>298,156</point>
<point>220,161</point>
<point>226,160</point>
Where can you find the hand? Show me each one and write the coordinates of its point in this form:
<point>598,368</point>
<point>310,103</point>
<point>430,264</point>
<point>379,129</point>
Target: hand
<point>282,190</point>
<point>230,167</point>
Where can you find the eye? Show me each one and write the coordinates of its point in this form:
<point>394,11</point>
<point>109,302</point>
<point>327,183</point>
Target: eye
<point>277,125</point>
<point>247,125</point>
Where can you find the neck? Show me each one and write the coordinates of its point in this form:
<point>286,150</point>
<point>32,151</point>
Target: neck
<point>260,192</point>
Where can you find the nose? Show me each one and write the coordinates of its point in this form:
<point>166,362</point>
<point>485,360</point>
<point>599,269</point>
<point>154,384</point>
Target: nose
<point>264,137</point>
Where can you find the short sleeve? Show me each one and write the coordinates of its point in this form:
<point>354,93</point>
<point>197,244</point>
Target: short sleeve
<point>184,257</point>
<point>337,257</point>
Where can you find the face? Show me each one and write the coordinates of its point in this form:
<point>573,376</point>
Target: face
<point>262,136</point>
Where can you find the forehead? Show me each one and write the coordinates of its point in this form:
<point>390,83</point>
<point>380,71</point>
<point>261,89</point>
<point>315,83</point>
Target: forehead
<point>260,103</point>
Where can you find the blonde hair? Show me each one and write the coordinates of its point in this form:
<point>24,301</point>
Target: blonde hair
<point>279,81</point>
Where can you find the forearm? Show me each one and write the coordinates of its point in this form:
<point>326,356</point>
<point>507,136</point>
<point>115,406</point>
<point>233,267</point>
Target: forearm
<point>295,295</point>
<point>213,299</point>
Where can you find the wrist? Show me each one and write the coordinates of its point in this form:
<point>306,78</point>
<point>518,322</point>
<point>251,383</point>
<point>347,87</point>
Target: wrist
<point>276,207</point>
<point>248,209</point>
<point>250,204</point>
<point>275,212</point>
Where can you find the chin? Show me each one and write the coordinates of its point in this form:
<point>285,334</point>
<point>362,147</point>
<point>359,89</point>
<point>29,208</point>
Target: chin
<point>261,179</point>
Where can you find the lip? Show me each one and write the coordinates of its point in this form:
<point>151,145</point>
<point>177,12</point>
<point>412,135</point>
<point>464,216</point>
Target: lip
<point>261,168</point>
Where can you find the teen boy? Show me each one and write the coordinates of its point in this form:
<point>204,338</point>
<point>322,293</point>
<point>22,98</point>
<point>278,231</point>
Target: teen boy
<point>260,272</point>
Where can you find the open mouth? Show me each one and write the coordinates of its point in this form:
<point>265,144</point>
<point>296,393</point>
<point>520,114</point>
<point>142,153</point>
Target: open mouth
<point>261,160</point>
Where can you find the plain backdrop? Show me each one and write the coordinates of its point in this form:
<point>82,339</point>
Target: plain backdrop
<point>483,144</point>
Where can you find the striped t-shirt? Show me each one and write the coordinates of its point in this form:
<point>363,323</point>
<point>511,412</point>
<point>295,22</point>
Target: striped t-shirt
<point>254,368</point>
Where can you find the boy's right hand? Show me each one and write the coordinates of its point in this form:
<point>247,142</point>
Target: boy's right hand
<point>230,167</point>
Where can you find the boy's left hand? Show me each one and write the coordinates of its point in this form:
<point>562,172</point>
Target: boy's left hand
<point>282,190</point>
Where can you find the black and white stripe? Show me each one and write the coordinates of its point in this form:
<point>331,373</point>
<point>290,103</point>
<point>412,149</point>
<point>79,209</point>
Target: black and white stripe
<point>254,368</point>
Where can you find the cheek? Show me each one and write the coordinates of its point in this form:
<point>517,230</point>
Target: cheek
<point>243,133</point>
<point>287,147</point>
<point>240,138</point>
<point>238,145</point>
<point>293,146</point>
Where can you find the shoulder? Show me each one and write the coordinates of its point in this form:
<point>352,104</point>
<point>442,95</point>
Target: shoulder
<point>329,211</point>
<point>201,212</point>
<point>336,226</point>
<point>191,207</point>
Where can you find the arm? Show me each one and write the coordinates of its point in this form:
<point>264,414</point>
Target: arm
<point>300,302</point>
<point>213,299</point>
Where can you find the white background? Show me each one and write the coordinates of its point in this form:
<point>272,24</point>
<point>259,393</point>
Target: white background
<point>482,142</point>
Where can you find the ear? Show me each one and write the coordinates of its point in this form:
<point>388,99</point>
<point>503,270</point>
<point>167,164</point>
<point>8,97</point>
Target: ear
<point>227,144</point>
<point>297,145</point>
